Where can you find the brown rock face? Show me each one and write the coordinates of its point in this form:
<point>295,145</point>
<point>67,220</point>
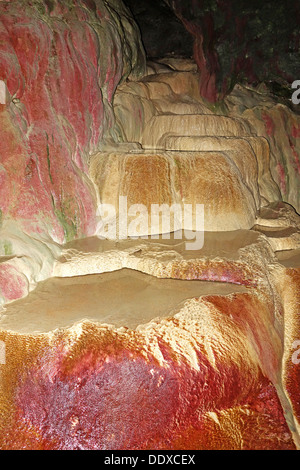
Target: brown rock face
<point>178,178</point>
<point>170,320</point>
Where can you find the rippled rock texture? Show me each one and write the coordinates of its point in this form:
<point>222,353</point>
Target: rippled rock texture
<point>140,342</point>
<point>61,62</point>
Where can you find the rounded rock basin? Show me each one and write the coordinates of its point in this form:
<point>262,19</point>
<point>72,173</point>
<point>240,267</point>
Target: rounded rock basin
<point>123,298</point>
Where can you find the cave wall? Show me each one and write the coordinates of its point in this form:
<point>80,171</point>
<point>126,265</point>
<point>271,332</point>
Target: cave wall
<point>61,63</point>
<point>233,41</point>
<point>85,118</point>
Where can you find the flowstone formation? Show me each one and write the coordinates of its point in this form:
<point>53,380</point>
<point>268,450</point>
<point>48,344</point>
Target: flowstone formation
<point>184,333</point>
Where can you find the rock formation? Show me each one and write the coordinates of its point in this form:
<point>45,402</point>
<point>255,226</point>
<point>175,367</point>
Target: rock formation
<point>142,339</point>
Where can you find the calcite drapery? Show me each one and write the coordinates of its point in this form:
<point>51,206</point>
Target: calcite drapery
<point>206,376</point>
<point>61,63</point>
<point>215,369</point>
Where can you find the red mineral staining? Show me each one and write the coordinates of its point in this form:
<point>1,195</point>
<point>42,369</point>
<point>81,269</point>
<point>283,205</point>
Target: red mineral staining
<point>60,74</point>
<point>110,391</point>
<point>13,284</point>
<point>270,126</point>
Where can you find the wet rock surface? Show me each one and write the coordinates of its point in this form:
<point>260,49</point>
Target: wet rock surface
<point>140,342</point>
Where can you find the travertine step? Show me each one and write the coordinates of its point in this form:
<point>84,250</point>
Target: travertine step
<point>155,256</point>
<point>211,179</point>
<point>160,127</point>
<point>279,215</point>
<point>171,105</point>
<point>289,258</point>
<point>281,238</point>
<point>124,298</point>
<point>179,64</point>
<point>250,153</point>
<point>281,224</point>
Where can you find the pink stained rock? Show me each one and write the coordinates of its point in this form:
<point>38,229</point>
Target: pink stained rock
<point>196,380</point>
<point>208,376</point>
<point>60,77</point>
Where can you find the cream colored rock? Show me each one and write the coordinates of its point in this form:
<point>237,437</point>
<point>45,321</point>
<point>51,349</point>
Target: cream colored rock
<point>157,67</point>
<point>208,329</point>
<point>269,189</point>
<point>179,64</point>
<point>281,224</point>
<point>279,215</point>
<point>281,239</point>
<point>130,124</point>
<point>289,258</point>
<point>250,154</point>
<point>181,83</point>
<point>162,126</point>
<point>172,105</point>
<point>165,111</point>
<point>160,256</point>
<point>163,91</point>
<point>210,179</point>
<point>280,125</point>
<point>30,260</point>
<point>123,298</point>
